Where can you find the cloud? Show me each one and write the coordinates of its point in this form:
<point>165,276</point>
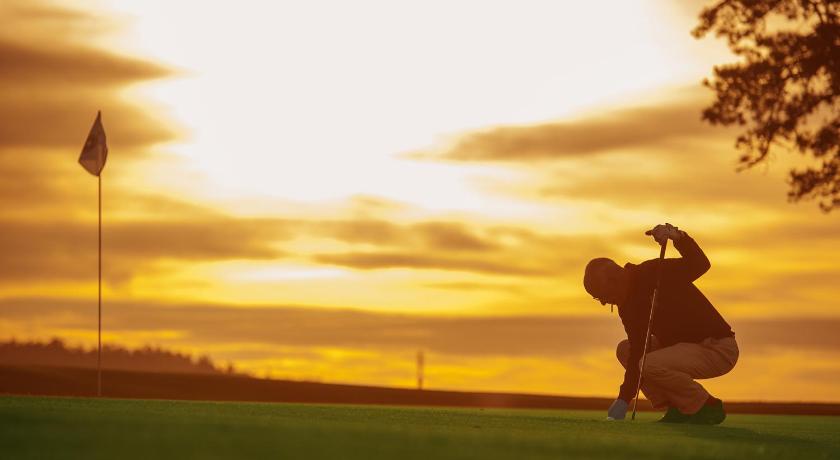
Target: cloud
<point>170,229</point>
<point>61,121</point>
<point>524,335</point>
<point>51,227</point>
<point>436,245</point>
<point>42,20</point>
<point>52,82</point>
<point>23,183</point>
<point>49,251</point>
<point>447,245</point>
<point>643,127</point>
<point>431,235</point>
<point>379,260</point>
<point>302,326</point>
<point>670,183</point>
<point>472,286</point>
<point>794,332</point>
<point>456,246</point>
<point>449,236</point>
<point>53,79</point>
<point>70,66</point>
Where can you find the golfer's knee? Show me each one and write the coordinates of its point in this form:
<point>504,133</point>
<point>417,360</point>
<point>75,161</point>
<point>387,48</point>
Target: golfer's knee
<point>622,352</point>
<point>652,368</point>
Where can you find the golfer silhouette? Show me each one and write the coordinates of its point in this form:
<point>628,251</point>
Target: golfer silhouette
<point>688,340</point>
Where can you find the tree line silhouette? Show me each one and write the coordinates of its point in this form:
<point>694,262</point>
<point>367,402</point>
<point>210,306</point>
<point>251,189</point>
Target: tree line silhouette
<point>55,353</point>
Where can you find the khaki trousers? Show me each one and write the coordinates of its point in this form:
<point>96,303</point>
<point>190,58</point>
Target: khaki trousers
<point>668,378</point>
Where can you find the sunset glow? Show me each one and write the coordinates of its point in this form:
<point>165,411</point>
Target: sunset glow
<point>317,190</point>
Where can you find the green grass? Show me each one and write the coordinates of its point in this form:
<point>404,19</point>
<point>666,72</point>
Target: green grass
<point>109,428</point>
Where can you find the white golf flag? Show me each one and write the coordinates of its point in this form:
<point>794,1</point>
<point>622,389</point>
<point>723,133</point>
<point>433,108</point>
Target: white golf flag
<point>95,151</point>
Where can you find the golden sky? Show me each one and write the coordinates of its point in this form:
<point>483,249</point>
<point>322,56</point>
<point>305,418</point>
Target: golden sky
<point>319,189</point>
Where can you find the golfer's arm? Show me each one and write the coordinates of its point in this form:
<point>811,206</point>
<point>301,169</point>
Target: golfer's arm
<point>693,263</point>
<point>627,391</point>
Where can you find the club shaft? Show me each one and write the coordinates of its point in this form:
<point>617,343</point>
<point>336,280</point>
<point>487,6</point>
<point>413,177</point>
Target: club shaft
<point>99,304</point>
<point>650,323</point>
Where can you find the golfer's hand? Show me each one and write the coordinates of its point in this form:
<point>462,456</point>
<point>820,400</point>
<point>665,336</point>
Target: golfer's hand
<point>617,410</point>
<point>663,232</point>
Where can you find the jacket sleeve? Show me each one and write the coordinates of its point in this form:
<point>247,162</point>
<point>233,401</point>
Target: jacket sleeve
<point>693,263</point>
<point>636,336</point>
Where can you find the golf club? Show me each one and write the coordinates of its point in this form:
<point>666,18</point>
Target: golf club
<point>650,323</point>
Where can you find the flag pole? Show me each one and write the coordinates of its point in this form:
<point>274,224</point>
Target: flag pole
<point>93,156</point>
<point>99,335</point>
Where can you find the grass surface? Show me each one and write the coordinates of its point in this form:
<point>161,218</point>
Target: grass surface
<point>109,428</point>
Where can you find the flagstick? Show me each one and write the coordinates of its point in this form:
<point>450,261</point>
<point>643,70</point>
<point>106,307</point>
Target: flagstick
<point>99,337</point>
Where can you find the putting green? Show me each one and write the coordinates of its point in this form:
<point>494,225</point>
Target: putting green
<point>33,427</point>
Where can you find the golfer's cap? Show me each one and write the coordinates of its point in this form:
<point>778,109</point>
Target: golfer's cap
<point>594,266</point>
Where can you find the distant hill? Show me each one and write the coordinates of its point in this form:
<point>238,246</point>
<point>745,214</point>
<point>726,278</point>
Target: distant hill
<point>56,353</point>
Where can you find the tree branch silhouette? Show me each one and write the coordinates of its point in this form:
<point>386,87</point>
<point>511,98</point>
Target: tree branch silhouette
<point>784,91</point>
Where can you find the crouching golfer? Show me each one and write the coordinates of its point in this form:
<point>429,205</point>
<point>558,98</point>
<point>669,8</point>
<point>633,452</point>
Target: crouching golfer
<point>689,338</point>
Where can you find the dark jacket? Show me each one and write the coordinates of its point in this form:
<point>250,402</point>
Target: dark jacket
<point>683,314</point>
